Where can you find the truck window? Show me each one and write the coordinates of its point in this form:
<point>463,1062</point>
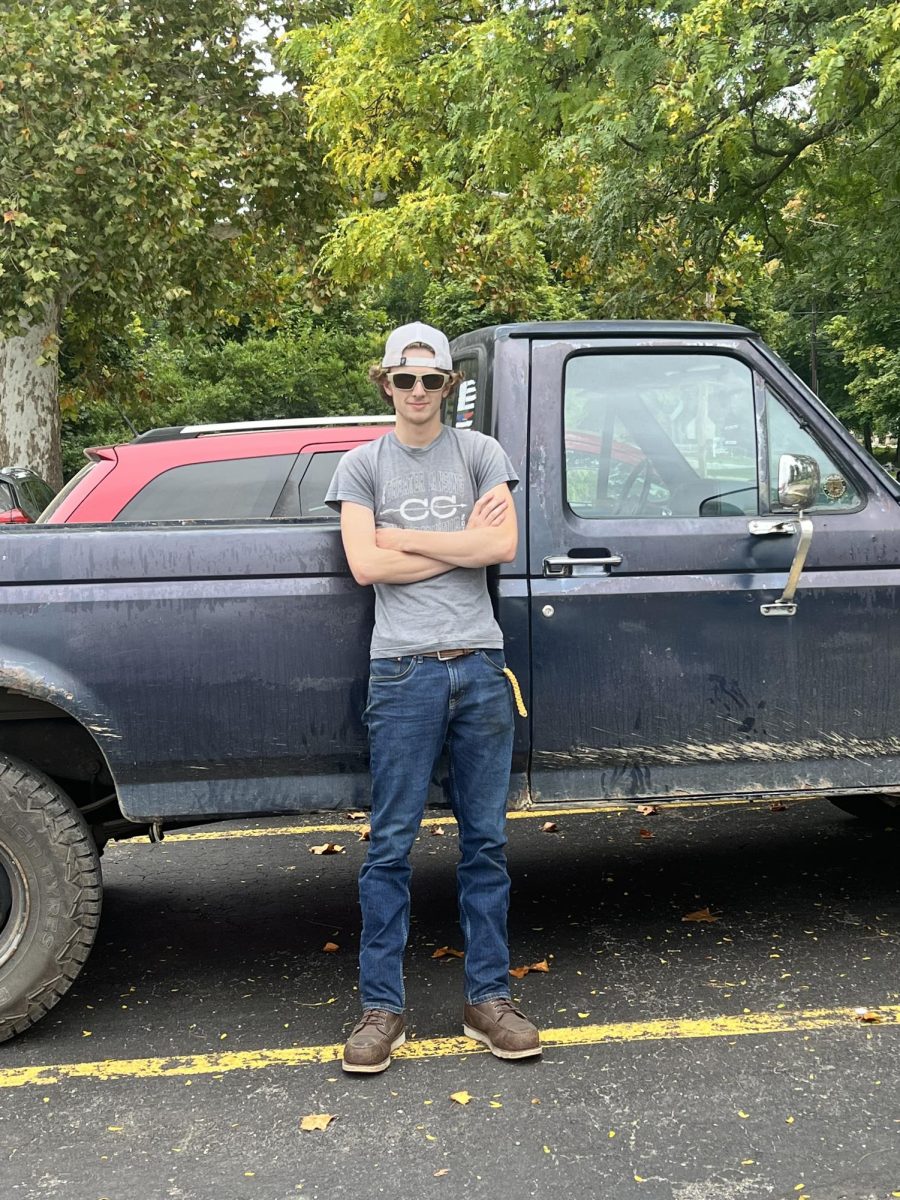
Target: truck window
<point>660,435</point>
<point>788,436</point>
<point>463,405</point>
<point>228,490</point>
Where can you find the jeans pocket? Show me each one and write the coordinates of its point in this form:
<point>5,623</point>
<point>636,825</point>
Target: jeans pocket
<point>391,670</point>
<point>496,658</point>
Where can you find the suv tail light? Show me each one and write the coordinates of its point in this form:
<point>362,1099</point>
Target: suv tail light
<point>14,516</point>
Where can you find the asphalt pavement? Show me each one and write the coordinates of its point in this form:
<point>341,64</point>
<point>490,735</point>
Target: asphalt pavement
<point>720,1007</point>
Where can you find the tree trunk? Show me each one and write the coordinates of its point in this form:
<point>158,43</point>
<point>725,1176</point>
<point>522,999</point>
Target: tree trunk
<point>29,406</point>
<point>867,436</point>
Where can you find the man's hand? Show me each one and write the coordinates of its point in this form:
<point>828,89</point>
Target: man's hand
<point>490,509</point>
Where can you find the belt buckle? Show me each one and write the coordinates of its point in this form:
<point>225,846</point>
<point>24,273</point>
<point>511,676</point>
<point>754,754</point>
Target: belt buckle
<point>449,653</point>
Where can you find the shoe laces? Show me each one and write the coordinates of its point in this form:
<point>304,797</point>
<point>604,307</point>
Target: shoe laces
<point>504,1005</point>
<point>373,1016</point>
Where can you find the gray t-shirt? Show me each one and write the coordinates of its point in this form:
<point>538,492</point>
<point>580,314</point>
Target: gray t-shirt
<point>430,487</point>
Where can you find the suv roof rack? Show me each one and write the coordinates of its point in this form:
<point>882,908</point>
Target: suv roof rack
<point>172,432</point>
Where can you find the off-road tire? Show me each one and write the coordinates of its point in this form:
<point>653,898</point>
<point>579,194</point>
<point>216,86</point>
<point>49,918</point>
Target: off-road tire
<point>881,811</point>
<point>50,894</point>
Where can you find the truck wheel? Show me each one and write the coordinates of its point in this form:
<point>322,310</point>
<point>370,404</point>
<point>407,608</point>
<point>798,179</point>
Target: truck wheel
<point>873,810</point>
<point>50,893</point>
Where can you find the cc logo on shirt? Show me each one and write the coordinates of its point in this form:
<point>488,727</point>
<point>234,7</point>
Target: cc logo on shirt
<point>439,508</point>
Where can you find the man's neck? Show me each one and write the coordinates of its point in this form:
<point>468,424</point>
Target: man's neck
<point>417,435</point>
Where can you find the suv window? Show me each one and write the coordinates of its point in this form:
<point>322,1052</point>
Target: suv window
<point>660,435</point>
<point>35,495</point>
<point>6,498</point>
<point>228,490</point>
<point>314,484</point>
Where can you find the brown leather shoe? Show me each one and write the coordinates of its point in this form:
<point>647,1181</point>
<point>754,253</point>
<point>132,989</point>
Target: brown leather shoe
<point>369,1046</point>
<point>504,1030</point>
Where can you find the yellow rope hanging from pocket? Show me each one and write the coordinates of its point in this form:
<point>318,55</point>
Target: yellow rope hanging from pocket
<point>517,692</point>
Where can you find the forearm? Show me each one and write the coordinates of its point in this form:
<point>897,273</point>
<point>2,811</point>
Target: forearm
<point>481,547</point>
<point>398,566</point>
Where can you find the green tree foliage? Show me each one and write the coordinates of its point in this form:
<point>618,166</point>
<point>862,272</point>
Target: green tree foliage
<point>476,139</point>
<point>702,158</point>
<point>437,120</point>
<point>141,166</point>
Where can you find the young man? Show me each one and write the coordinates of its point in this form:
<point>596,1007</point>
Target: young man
<point>424,510</point>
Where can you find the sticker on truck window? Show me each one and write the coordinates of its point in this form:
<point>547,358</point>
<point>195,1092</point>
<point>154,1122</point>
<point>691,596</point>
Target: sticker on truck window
<point>465,404</point>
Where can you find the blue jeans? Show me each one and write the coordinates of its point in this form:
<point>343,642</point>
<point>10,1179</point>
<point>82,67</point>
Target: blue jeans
<point>415,705</point>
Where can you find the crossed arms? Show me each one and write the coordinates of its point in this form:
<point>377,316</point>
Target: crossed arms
<point>409,555</point>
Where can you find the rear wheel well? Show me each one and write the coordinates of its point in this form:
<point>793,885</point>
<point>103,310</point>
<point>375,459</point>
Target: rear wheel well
<point>54,742</point>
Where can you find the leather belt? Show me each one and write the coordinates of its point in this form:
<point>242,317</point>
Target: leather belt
<point>443,655</point>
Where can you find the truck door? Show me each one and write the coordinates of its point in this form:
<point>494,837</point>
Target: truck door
<point>655,672</point>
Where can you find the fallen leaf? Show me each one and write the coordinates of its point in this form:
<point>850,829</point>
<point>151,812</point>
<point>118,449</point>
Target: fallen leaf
<point>327,848</point>
<point>869,1015</point>
<point>330,947</point>
<point>549,827</point>
<point>645,833</point>
<point>647,810</point>
<point>521,972</point>
<point>364,833</point>
<point>442,1171</point>
<point>447,952</point>
<point>702,914</point>
<point>777,807</point>
<point>460,1097</point>
<point>437,831</point>
<point>355,816</point>
<point>317,1120</point>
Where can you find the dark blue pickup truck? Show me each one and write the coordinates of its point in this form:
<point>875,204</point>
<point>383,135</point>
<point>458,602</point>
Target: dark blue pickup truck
<point>703,604</point>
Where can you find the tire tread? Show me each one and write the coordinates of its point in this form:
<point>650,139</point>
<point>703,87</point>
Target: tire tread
<point>65,828</point>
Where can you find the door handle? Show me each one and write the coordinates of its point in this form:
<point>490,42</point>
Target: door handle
<point>768,526</point>
<point>558,566</point>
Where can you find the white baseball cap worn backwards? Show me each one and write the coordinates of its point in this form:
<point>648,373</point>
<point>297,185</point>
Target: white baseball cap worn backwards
<point>427,335</point>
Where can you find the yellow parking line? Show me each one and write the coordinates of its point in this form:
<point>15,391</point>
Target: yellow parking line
<point>600,809</point>
<point>667,1029</point>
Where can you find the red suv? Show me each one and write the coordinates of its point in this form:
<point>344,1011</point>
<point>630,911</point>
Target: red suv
<point>214,472</point>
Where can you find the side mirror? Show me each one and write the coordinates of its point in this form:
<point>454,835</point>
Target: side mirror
<point>798,481</point>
